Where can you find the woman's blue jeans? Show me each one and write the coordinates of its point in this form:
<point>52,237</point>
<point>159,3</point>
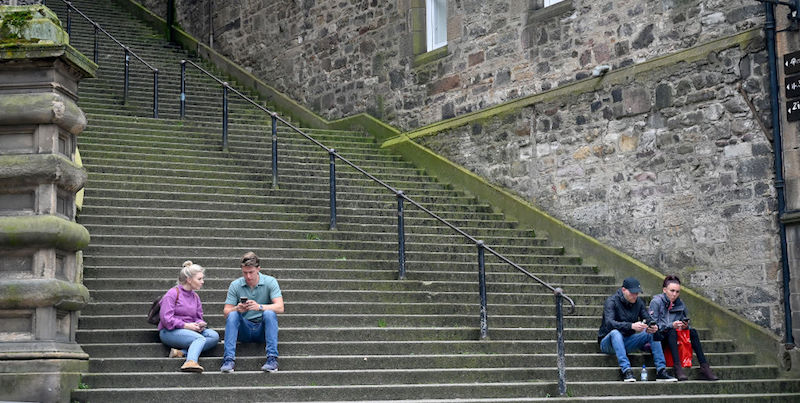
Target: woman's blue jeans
<point>241,329</point>
<point>616,343</point>
<point>191,342</point>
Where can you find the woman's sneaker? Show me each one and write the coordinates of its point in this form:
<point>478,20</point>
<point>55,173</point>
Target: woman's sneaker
<point>227,365</point>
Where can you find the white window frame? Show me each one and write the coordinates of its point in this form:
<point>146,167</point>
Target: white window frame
<point>436,22</point>
<point>548,3</point>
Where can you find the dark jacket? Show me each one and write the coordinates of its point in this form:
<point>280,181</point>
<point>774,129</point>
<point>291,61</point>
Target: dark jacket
<point>620,314</point>
<point>659,311</point>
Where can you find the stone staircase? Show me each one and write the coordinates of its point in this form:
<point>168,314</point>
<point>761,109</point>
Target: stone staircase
<point>162,191</point>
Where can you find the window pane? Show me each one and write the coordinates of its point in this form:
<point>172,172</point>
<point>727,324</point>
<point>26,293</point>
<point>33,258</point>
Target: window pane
<point>436,11</point>
<point>548,3</point>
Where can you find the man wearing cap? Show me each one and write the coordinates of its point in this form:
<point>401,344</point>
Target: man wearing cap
<point>624,329</point>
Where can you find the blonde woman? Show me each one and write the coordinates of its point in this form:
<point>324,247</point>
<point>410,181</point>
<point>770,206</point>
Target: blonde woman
<point>182,326</point>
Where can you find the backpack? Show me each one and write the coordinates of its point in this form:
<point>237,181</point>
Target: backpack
<point>153,317</point>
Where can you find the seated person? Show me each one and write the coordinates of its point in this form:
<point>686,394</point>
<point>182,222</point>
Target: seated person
<point>670,314</point>
<point>624,328</point>
<point>251,309</point>
<point>182,326</point>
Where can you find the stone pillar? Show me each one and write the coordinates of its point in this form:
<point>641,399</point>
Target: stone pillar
<point>41,288</point>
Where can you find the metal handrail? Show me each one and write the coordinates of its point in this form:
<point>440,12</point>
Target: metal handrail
<point>128,53</point>
<point>401,197</point>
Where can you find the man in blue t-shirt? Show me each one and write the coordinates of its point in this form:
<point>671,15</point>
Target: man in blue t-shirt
<point>251,309</point>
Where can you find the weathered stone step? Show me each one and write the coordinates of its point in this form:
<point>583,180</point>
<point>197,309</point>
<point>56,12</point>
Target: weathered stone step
<point>383,223</point>
<point>110,156</point>
<point>519,238</point>
<point>384,376</point>
<point>261,181</point>
<point>154,126</point>
<point>202,253</point>
<point>550,274</point>
<point>402,361</point>
<point>217,321</point>
<point>202,146</point>
<point>433,391</point>
<point>318,225</point>
<point>176,137</point>
<point>150,335</point>
<point>540,297</point>
<point>355,197</point>
<point>393,286</point>
<point>318,244</point>
<point>287,189</point>
<point>365,347</point>
<point>325,307</point>
<point>228,205</point>
<point>282,201</point>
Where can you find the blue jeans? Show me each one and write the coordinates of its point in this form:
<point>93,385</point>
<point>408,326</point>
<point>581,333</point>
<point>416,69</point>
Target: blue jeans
<point>191,342</point>
<point>616,343</point>
<point>241,329</point>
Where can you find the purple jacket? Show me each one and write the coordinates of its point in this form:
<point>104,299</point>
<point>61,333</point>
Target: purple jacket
<point>189,309</point>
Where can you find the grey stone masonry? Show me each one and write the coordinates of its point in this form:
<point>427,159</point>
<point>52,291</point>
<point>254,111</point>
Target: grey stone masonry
<point>671,167</point>
<point>41,288</point>
<point>342,58</point>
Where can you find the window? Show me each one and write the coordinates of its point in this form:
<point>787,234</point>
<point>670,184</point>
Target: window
<point>436,16</point>
<point>548,3</point>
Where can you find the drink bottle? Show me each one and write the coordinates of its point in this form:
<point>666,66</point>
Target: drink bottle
<point>644,373</point>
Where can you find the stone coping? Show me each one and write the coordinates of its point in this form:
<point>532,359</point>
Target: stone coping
<point>32,293</point>
<point>19,170</point>
<point>42,231</point>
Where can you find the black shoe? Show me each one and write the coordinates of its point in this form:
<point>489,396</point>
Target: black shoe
<point>627,376</point>
<point>663,376</point>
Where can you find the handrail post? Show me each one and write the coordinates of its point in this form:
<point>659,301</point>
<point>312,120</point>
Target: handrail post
<point>183,88</point>
<point>69,18</point>
<point>401,236</point>
<point>155,93</point>
<point>332,153</point>
<point>482,289</point>
<point>275,151</point>
<point>225,116</point>
<point>127,75</point>
<point>562,377</point>
<point>94,57</point>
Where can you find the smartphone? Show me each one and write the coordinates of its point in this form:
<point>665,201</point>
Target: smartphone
<point>243,300</point>
<point>651,323</point>
<point>686,321</point>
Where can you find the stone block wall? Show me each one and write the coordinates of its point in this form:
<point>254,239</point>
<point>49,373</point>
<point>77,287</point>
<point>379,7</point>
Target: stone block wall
<point>341,58</point>
<point>672,167</point>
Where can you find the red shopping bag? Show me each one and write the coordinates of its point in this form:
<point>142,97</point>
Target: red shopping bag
<point>684,349</point>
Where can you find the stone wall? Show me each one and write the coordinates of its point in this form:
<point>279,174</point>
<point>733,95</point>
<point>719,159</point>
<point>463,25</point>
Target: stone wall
<point>672,168</point>
<point>341,58</point>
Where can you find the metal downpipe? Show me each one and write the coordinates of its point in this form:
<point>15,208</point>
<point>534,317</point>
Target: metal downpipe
<point>769,29</point>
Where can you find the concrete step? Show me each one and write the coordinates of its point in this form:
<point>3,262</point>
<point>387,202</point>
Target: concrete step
<point>434,391</point>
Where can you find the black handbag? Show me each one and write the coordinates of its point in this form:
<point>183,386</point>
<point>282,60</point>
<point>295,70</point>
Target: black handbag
<point>153,316</point>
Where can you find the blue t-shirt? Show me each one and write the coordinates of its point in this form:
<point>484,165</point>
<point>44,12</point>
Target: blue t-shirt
<point>263,293</point>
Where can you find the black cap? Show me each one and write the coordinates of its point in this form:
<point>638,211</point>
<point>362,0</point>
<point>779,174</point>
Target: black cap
<point>632,284</point>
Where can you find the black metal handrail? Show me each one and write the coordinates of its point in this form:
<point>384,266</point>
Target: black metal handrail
<point>401,197</point>
<point>128,54</point>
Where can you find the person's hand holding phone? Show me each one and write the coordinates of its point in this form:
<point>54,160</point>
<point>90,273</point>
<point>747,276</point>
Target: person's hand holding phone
<point>242,307</point>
